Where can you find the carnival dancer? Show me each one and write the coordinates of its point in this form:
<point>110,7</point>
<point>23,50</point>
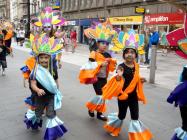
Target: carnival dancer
<point>42,81</point>
<point>179,95</point>
<point>127,87</point>
<point>97,69</point>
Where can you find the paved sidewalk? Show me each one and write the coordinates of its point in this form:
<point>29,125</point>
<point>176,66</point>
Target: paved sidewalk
<point>167,73</point>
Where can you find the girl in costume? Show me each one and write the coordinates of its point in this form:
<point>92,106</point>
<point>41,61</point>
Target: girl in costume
<point>43,80</point>
<point>179,95</point>
<point>127,87</point>
<point>97,69</point>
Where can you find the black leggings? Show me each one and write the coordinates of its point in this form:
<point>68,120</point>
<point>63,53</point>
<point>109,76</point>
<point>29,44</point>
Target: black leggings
<point>132,103</point>
<point>183,111</point>
<point>45,101</point>
<point>99,85</point>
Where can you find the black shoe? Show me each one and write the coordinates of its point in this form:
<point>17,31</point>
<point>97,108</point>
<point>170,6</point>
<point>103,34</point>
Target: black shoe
<point>91,114</point>
<point>100,116</point>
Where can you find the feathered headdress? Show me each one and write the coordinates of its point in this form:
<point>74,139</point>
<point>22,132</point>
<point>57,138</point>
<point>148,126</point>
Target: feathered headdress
<point>101,32</point>
<point>127,40</point>
<point>42,44</point>
<point>46,18</point>
<point>6,25</point>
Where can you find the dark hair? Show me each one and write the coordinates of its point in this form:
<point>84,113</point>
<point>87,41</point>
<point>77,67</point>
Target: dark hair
<point>184,74</point>
<point>4,32</point>
<point>126,51</point>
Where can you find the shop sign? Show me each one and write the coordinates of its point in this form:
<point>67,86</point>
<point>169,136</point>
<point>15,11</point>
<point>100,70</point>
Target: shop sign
<point>167,18</point>
<point>139,10</point>
<point>130,20</point>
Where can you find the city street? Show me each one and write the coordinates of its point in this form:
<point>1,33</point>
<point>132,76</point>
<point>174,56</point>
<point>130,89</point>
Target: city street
<point>157,114</point>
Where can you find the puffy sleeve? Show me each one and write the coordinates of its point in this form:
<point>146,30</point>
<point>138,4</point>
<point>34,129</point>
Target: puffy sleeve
<point>178,95</point>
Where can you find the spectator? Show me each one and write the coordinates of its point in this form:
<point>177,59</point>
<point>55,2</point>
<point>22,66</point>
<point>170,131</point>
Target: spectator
<point>22,36</point>
<point>73,37</point>
<point>153,40</point>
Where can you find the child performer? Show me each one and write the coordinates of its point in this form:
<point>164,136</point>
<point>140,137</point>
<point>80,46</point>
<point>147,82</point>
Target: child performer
<point>97,70</point>
<point>127,87</point>
<point>43,82</point>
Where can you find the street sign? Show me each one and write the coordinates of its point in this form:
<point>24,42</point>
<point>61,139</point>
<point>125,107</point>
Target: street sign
<point>139,10</point>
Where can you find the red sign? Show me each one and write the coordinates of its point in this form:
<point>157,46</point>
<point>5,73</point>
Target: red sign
<point>168,18</point>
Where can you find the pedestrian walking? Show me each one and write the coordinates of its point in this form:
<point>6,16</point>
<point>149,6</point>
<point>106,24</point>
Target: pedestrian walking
<point>73,37</point>
<point>153,40</point>
<point>21,36</point>
<point>3,53</point>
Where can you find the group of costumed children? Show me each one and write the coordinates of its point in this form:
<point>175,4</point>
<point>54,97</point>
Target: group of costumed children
<point>126,85</point>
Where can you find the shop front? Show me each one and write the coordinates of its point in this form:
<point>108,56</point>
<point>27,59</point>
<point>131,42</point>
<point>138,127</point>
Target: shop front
<point>166,21</point>
<point>128,22</point>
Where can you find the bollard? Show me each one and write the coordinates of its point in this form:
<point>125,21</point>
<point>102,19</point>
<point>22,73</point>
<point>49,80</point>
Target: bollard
<point>153,64</point>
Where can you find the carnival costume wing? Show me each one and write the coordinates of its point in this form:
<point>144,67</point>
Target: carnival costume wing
<point>178,38</point>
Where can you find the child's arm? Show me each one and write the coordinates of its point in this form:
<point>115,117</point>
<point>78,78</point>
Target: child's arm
<point>57,83</point>
<point>34,87</point>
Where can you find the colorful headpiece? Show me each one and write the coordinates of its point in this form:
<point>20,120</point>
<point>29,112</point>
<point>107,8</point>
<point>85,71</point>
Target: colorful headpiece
<point>101,32</point>
<point>6,25</point>
<point>179,38</point>
<point>46,18</point>
<point>127,40</point>
<point>45,45</point>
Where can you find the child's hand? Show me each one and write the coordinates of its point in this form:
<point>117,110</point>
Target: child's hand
<point>120,71</point>
<point>143,80</point>
<point>104,63</point>
<point>59,65</point>
<point>40,92</point>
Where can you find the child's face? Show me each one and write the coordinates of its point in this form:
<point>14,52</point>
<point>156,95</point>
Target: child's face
<point>130,55</point>
<point>43,60</point>
<point>102,46</point>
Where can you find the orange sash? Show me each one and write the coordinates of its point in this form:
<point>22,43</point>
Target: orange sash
<point>113,88</point>
<point>8,35</point>
<point>99,58</point>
